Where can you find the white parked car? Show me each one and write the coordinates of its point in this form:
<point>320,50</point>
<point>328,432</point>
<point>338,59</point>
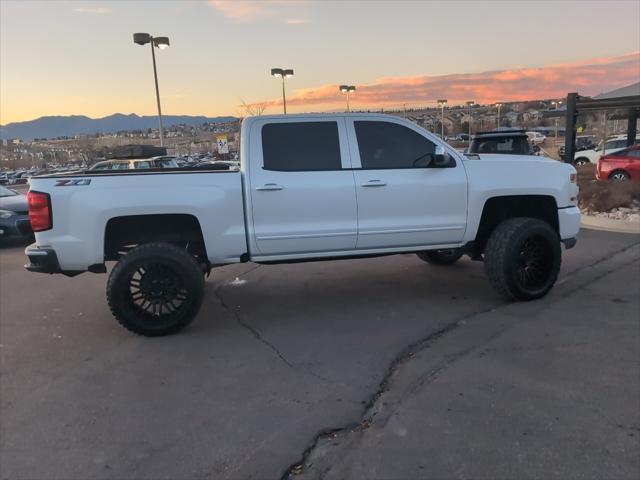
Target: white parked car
<point>536,138</point>
<point>612,145</point>
<point>310,187</point>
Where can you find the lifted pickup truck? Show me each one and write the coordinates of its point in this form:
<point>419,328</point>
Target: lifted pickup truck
<point>310,187</point>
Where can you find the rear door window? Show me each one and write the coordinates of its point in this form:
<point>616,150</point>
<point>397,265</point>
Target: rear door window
<point>301,146</point>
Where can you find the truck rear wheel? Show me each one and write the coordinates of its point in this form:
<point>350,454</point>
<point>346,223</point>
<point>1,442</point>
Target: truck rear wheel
<point>448,256</point>
<point>156,289</point>
<point>522,258</point>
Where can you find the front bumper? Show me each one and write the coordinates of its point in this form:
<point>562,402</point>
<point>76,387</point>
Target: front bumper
<point>569,222</point>
<point>15,227</point>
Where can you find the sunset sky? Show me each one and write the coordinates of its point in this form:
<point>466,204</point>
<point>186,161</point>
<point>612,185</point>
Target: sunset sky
<point>78,57</point>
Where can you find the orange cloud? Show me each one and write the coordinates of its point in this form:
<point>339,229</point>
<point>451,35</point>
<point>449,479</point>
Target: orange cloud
<point>587,77</point>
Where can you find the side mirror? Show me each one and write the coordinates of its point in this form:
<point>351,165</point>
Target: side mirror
<point>442,159</point>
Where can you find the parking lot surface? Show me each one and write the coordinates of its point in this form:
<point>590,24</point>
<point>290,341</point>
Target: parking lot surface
<point>290,369</point>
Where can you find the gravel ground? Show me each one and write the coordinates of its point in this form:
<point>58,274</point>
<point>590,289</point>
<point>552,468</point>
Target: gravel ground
<point>628,214</point>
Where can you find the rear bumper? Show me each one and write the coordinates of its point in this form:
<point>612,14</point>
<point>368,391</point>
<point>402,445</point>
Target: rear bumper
<point>45,260</point>
<point>41,260</point>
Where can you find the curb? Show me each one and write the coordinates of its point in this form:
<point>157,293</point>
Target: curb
<point>609,224</point>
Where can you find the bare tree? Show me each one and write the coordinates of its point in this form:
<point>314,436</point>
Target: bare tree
<point>254,109</point>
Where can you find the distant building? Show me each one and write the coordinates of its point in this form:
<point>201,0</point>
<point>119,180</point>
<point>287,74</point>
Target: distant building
<point>531,115</point>
<point>512,117</point>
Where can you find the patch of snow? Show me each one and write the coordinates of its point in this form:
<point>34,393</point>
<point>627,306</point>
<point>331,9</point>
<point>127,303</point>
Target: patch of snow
<point>237,282</point>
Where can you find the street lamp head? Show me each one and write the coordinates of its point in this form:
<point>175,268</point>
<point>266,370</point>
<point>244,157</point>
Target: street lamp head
<point>141,38</point>
<point>277,72</point>
<point>161,42</point>
<point>471,103</point>
<point>288,73</point>
<point>498,104</point>
<point>442,101</point>
<point>347,88</point>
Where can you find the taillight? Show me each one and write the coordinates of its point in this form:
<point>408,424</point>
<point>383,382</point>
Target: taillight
<point>40,213</point>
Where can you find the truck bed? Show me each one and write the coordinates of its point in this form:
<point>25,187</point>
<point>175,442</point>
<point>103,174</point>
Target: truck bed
<point>83,202</point>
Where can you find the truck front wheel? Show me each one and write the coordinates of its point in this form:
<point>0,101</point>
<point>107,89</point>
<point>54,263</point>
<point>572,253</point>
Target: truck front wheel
<point>156,289</point>
<point>522,258</point>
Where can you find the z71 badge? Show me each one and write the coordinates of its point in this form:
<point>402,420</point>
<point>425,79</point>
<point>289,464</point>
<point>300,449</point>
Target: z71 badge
<point>74,182</point>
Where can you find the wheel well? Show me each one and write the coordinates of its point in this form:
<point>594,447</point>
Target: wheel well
<point>124,233</point>
<point>498,209</point>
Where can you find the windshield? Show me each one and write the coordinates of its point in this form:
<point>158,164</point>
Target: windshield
<point>5,192</point>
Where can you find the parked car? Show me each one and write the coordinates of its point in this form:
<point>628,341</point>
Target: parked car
<point>310,187</point>
<point>506,142</point>
<point>136,164</point>
<point>536,138</point>
<point>14,216</point>
<point>622,165</point>
<point>210,164</point>
<point>612,145</point>
<point>583,142</point>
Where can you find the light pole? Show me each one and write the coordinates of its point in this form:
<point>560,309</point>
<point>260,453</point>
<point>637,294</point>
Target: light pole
<point>161,43</point>
<point>347,89</point>
<point>470,104</point>
<point>282,73</point>
<point>498,105</point>
<point>442,102</point>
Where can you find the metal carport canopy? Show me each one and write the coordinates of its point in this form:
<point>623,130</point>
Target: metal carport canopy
<point>577,104</point>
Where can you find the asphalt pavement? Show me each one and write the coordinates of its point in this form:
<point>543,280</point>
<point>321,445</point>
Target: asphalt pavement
<point>287,369</point>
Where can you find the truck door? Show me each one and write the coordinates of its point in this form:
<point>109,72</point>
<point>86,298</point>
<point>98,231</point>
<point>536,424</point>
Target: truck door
<point>403,201</point>
<point>302,189</point>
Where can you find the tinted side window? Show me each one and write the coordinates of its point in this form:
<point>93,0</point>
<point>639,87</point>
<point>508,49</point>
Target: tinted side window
<point>389,145</point>
<point>301,146</point>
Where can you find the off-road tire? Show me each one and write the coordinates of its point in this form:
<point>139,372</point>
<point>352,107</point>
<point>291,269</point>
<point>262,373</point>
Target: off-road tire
<point>169,275</point>
<point>508,253</point>
<point>441,257</point>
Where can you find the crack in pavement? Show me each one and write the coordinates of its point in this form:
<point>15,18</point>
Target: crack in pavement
<point>256,333</point>
<point>252,330</point>
<point>406,354</point>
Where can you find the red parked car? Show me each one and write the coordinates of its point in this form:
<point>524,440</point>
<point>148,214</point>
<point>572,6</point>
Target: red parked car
<point>622,165</point>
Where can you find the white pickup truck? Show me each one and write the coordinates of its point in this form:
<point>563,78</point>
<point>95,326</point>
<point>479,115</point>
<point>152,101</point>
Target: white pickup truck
<point>310,187</point>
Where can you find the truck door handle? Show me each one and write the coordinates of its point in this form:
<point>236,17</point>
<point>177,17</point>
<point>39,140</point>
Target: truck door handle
<point>268,187</point>
<point>374,183</point>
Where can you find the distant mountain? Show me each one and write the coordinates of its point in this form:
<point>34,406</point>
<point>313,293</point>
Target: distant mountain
<point>52,127</point>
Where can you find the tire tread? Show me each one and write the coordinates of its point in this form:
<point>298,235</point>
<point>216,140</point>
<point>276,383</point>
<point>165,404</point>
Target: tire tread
<point>148,249</point>
<point>496,255</point>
